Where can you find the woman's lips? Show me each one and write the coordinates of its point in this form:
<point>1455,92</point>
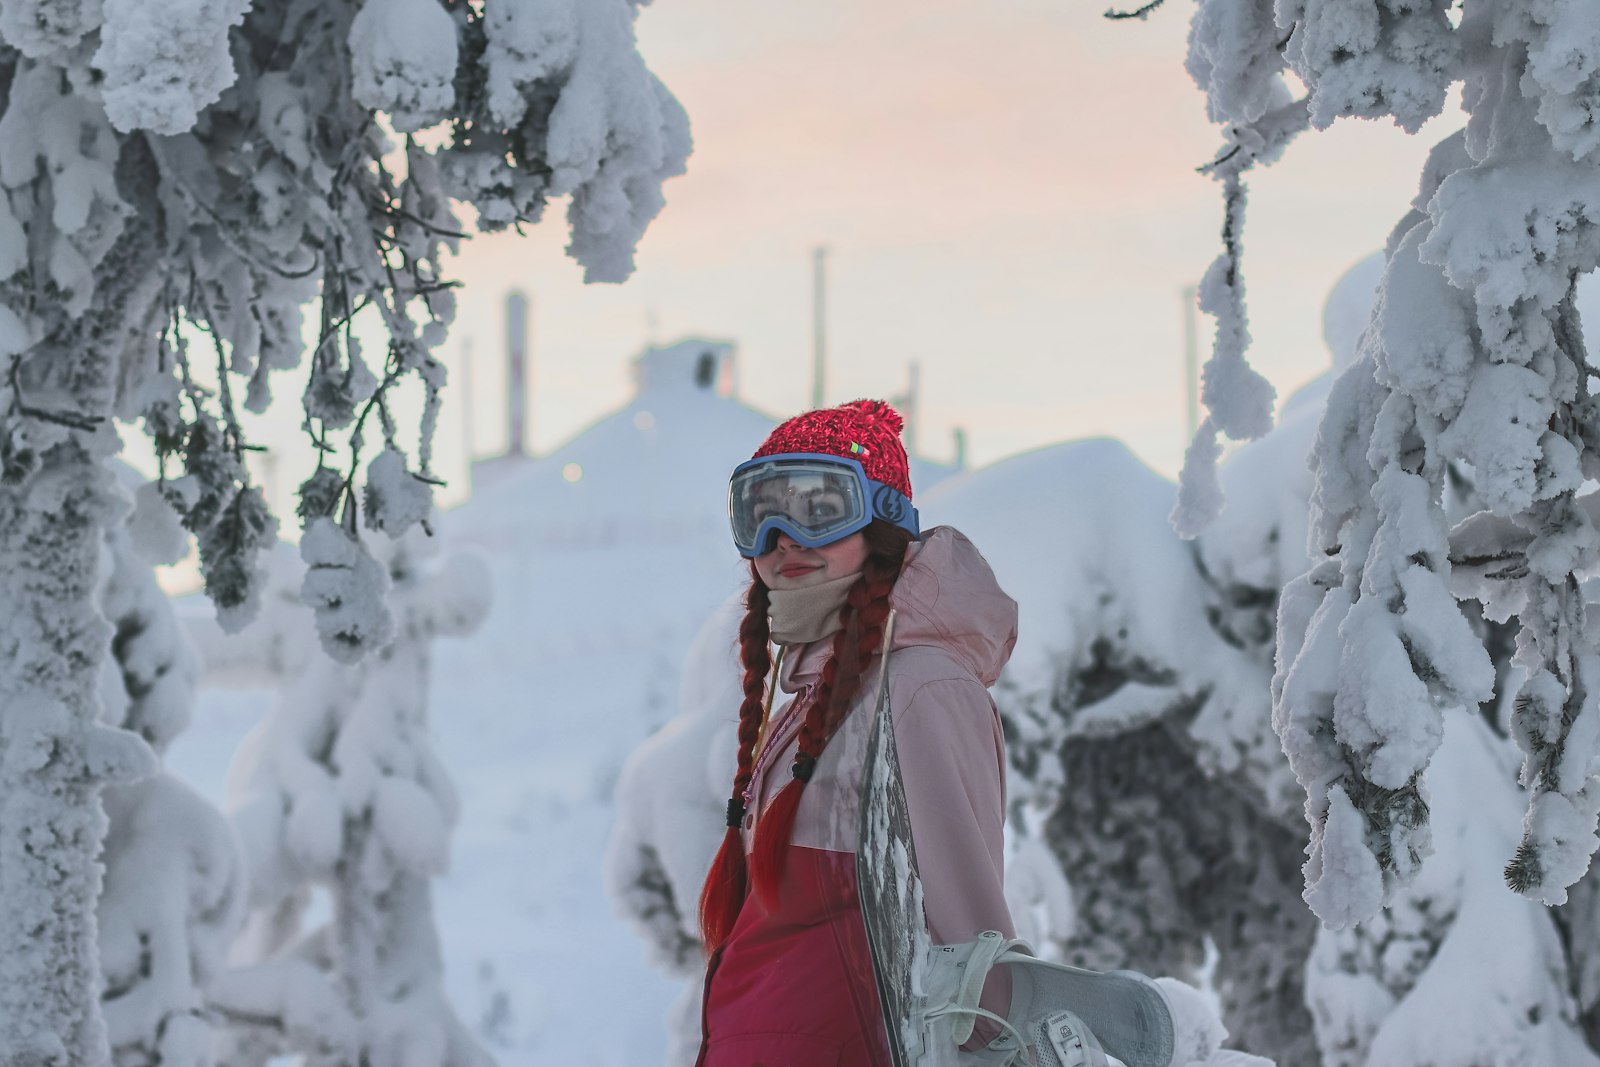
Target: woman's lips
<point>794,570</point>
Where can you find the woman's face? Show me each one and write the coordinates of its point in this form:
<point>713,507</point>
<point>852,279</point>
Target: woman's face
<point>791,565</point>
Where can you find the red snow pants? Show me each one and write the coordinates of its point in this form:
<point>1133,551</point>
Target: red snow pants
<point>793,987</point>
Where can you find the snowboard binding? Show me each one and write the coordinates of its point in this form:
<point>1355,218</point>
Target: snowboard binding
<point>1060,1016</point>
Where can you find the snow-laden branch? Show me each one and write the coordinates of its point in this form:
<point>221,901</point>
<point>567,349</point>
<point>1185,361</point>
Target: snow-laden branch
<point>1139,12</point>
<point>1234,58</point>
<point>1475,360</point>
<point>1357,58</point>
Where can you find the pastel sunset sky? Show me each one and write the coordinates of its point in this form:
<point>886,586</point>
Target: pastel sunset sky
<point>1008,194</point>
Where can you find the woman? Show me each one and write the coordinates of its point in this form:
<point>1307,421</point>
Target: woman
<point>823,511</point>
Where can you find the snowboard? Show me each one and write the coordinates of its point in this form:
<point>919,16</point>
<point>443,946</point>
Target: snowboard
<point>1123,1009</point>
<point>888,883</point>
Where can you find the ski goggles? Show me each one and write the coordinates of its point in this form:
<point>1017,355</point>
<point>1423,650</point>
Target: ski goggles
<point>814,498</point>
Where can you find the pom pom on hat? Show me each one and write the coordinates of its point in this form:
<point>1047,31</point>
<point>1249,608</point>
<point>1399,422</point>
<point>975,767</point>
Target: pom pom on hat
<point>867,431</point>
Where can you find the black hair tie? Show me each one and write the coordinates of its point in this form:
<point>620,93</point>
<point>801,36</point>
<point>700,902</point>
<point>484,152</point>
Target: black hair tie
<point>803,766</point>
<point>735,812</point>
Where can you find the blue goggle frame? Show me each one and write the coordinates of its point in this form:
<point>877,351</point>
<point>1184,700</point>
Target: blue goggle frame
<point>876,501</point>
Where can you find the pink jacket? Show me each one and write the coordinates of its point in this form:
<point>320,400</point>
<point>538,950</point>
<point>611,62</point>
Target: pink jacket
<point>794,985</point>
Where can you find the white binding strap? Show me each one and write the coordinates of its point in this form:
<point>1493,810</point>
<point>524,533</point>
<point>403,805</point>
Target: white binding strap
<point>990,945</point>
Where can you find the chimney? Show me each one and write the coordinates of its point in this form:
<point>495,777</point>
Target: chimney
<point>516,370</point>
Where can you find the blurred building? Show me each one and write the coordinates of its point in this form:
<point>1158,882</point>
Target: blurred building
<point>655,470</point>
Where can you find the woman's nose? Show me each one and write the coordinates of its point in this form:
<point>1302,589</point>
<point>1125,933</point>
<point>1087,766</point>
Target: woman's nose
<point>785,541</point>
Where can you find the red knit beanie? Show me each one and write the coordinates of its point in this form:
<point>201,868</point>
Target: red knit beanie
<point>864,430</point>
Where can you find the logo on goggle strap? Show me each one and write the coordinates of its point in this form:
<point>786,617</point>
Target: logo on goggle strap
<point>889,504</point>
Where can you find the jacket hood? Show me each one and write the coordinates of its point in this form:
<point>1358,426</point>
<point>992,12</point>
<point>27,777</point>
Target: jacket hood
<point>946,597</point>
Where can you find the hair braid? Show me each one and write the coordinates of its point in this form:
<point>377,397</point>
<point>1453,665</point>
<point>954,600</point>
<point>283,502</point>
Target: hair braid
<point>870,600</point>
<point>755,652</point>
<point>725,885</point>
<point>864,614</point>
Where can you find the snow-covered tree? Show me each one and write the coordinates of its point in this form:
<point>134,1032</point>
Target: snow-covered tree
<point>1138,728</point>
<point>1162,856</point>
<point>340,789</point>
<point>177,181</point>
<point>1475,360</point>
<point>665,834</point>
<point>1375,988</point>
<point>667,827</point>
<point>174,876</point>
<point>1379,989</point>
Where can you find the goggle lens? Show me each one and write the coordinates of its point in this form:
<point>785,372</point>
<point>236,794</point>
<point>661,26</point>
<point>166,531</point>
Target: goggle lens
<point>812,502</point>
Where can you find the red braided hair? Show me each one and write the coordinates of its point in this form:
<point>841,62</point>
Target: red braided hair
<point>724,890</point>
<point>864,613</point>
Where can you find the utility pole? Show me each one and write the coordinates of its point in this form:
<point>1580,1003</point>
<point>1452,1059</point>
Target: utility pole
<point>467,443</point>
<point>1191,359</point>
<point>913,406</point>
<point>819,345</point>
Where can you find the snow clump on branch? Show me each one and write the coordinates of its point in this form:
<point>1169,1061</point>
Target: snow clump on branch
<point>163,62</point>
<point>403,60</point>
<point>348,590</point>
